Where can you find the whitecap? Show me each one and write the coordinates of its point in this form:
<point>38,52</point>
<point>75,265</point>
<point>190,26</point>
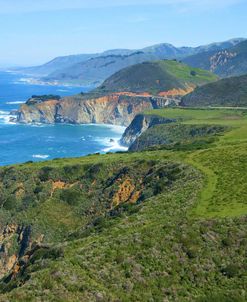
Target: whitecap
<point>41,156</point>
<point>5,118</point>
<point>115,128</point>
<point>15,103</point>
<point>114,146</point>
<point>111,144</point>
<point>4,112</point>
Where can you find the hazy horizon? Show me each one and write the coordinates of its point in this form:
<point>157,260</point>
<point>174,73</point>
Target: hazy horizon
<point>34,33</point>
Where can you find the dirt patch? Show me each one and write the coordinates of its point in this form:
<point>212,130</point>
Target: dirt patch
<point>60,185</point>
<point>126,193</point>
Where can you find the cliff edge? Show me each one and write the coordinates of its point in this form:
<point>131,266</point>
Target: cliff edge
<point>117,109</point>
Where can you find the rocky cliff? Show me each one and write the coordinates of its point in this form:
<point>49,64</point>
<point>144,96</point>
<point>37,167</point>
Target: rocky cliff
<point>116,108</point>
<point>139,125</point>
<point>14,242</point>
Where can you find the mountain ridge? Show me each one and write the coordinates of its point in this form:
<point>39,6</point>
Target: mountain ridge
<point>90,70</point>
<point>225,63</point>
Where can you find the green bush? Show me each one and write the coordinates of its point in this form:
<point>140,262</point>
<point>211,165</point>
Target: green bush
<point>71,196</point>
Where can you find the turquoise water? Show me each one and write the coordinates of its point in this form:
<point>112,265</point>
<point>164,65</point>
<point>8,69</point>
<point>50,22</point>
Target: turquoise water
<point>21,143</point>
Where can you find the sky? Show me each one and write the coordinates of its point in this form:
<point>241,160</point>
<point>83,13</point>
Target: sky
<point>34,31</point>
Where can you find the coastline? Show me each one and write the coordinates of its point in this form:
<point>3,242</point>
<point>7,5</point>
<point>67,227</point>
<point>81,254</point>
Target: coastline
<point>38,142</point>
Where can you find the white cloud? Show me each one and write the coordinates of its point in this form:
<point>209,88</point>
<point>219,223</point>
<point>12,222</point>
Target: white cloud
<point>25,6</point>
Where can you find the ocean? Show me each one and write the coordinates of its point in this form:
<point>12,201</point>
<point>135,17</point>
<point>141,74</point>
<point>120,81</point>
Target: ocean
<point>21,143</point>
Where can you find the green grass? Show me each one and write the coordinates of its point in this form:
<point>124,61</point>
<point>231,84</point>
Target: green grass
<point>155,77</point>
<point>183,71</point>
<point>224,193</point>
<point>183,240</point>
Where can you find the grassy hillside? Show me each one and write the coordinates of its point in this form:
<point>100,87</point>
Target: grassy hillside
<point>225,63</point>
<point>231,92</point>
<point>157,225</point>
<point>218,159</point>
<point>177,137</point>
<point>155,77</point>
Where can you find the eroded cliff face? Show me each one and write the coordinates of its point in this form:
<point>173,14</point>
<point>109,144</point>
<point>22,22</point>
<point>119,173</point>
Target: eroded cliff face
<point>117,109</point>
<point>15,240</point>
<point>17,246</point>
<point>140,124</point>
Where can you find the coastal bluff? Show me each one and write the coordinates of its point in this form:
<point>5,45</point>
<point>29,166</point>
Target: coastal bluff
<point>115,108</point>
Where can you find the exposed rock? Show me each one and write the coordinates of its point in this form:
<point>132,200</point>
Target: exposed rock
<point>126,193</point>
<point>118,109</point>
<point>221,58</point>
<point>140,124</point>
<point>15,240</point>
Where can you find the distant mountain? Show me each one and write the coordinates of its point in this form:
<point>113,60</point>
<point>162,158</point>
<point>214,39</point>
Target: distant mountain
<point>96,70</point>
<point>56,64</point>
<point>156,77</point>
<point>225,63</point>
<point>219,46</point>
<point>170,52</point>
<point>229,92</point>
<point>93,69</point>
<point>61,63</point>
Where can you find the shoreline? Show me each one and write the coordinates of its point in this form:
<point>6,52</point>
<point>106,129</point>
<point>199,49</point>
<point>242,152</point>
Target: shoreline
<point>30,79</point>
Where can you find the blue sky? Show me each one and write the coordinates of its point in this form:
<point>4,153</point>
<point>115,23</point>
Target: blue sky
<point>34,32</point>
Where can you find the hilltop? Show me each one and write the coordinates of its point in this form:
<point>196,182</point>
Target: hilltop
<point>157,77</point>
<point>231,92</point>
<point>225,63</point>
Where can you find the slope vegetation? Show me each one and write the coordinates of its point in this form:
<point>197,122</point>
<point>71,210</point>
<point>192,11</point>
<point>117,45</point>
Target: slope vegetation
<point>157,225</point>
<point>231,92</point>
<point>156,77</point>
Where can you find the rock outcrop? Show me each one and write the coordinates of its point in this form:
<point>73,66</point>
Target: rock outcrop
<point>17,246</point>
<point>141,123</point>
<point>116,108</point>
<point>14,242</point>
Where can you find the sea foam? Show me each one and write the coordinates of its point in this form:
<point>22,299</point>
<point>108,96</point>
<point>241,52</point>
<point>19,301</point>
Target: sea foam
<point>5,117</point>
<point>114,146</point>
<point>41,156</point>
<point>15,103</point>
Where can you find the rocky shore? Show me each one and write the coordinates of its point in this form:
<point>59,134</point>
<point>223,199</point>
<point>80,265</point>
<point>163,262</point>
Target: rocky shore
<point>141,123</point>
<point>115,108</point>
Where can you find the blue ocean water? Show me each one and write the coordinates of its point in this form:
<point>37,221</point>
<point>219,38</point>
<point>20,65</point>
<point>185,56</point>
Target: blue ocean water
<point>21,143</point>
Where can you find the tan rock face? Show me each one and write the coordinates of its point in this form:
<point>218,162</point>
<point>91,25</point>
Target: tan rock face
<point>39,113</point>
<point>126,193</point>
<point>60,185</point>
<point>221,58</point>
<point>177,92</point>
<point>118,109</point>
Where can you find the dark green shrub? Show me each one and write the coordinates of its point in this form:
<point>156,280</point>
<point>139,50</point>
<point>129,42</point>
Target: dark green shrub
<point>44,174</point>
<point>230,271</point>
<point>70,196</point>
<point>10,202</point>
